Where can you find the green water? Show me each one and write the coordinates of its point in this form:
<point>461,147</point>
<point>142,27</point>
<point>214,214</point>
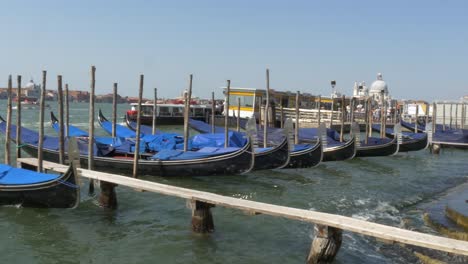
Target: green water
<point>151,228</point>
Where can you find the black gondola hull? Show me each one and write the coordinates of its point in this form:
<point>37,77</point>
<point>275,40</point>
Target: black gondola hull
<point>277,157</point>
<point>228,164</point>
<point>339,153</point>
<point>62,192</point>
<point>387,149</point>
<point>307,158</point>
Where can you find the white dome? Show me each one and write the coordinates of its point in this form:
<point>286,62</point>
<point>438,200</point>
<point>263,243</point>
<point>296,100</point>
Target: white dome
<point>30,85</point>
<point>379,85</point>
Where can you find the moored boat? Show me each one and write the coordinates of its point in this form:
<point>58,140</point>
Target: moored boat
<point>33,189</point>
<point>204,162</point>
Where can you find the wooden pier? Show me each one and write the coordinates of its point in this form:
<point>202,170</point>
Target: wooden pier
<point>328,229</point>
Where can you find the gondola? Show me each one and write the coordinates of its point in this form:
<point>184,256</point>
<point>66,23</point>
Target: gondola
<point>333,150</point>
<point>377,147</point>
<point>300,155</point>
<point>456,138</point>
<point>205,162</point>
<point>42,190</point>
<point>410,141</point>
<point>265,158</point>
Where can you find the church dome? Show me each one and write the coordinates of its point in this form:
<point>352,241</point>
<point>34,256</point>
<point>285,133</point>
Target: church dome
<point>379,85</point>
<point>30,85</point>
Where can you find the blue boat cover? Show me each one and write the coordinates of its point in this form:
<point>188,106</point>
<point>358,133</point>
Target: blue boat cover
<point>15,176</point>
<point>144,129</point>
<point>73,131</point>
<point>121,131</point>
<point>301,147</point>
<point>405,134</point>
<point>31,137</point>
<point>189,155</point>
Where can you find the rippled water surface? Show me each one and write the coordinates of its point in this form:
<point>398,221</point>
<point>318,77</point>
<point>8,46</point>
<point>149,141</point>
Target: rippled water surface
<point>151,228</point>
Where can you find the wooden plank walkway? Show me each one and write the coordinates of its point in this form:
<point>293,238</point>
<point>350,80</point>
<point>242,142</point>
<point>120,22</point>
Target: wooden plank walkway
<point>337,221</point>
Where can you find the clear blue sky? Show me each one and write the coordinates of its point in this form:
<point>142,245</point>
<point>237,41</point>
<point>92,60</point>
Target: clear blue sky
<point>421,47</point>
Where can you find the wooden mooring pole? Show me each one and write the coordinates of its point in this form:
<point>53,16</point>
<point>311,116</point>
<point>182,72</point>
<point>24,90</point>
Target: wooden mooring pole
<point>281,112</point>
<point>61,128</point>
<point>267,109</point>
<point>456,116</point>
<point>238,113</point>
<point>416,120</point>
<point>40,144</point>
<point>226,114</point>
<point>434,117</point>
<point>213,110</point>
<point>18,119</point>
<point>67,111</point>
<point>343,112</point>
<point>114,111</point>
<point>188,97</point>
<point>91,128</point>
<point>155,111</point>
<point>451,111</point>
<point>298,117</point>
<point>443,116</point>
<point>319,110</point>
<point>136,154</point>
<point>8,124</point>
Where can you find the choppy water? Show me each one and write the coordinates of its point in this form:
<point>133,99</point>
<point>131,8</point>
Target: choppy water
<point>151,228</point>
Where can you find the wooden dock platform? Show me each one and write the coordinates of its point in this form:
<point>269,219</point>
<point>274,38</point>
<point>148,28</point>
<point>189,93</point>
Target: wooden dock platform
<point>329,226</point>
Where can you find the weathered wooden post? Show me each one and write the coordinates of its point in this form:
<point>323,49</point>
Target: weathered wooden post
<point>281,112</point>
<point>463,116</point>
<point>333,83</point>
<point>114,111</point>
<point>238,113</point>
<point>91,128</point>
<point>136,154</point>
<point>155,111</point>
<point>351,111</point>
<point>319,109</point>
<point>434,117</point>
<point>226,114</point>
<point>326,243</point>
<point>202,219</point>
<point>40,144</point>
<point>366,119</point>
<point>187,96</point>
<point>451,111</point>
<point>426,119</point>
<point>443,116</point>
<point>108,196</point>
<point>61,129</point>
<point>8,124</point>
<point>456,115</point>
<point>67,111</point>
<point>267,109</point>
<point>343,111</point>
<point>296,126</point>
<point>416,120</point>
<point>213,110</point>
<point>18,120</point>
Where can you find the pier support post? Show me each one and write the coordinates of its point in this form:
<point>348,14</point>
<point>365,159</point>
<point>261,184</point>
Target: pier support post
<point>108,196</point>
<point>202,220</point>
<point>435,149</point>
<point>326,243</point>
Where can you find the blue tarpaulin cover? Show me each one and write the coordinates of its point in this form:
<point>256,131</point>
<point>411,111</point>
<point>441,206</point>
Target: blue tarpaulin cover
<point>73,131</point>
<point>202,153</point>
<point>15,176</point>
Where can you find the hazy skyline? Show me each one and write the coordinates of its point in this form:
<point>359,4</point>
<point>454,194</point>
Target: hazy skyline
<point>419,46</point>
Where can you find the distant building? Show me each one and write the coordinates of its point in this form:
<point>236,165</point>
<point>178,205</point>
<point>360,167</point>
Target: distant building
<point>379,89</point>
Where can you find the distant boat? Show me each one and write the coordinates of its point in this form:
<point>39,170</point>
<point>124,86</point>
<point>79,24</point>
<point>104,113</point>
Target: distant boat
<point>168,113</point>
<point>33,189</point>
